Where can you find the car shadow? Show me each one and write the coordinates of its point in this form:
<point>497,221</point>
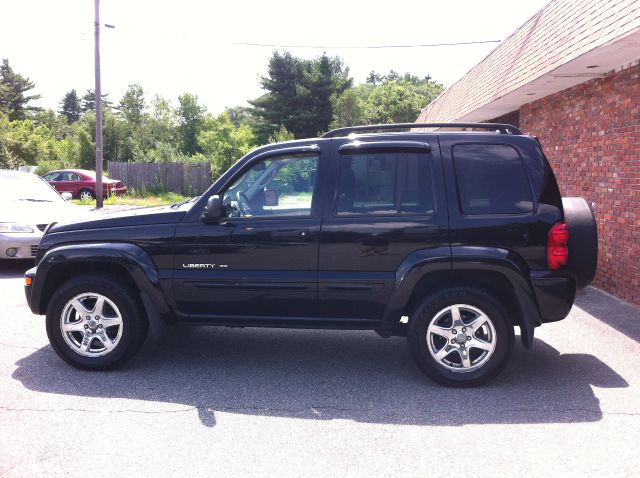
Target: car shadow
<point>329,375</point>
<point>623,317</point>
<point>14,268</point>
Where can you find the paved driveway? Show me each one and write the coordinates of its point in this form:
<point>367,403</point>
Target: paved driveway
<point>220,402</point>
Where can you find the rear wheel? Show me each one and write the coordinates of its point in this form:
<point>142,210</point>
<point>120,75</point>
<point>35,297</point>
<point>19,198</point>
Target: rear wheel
<point>460,336</point>
<point>86,195</point>
<point>95,323</point>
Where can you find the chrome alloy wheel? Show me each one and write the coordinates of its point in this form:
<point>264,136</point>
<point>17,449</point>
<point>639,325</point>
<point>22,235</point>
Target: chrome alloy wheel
<point>91,324</point>
<point>461,338</point>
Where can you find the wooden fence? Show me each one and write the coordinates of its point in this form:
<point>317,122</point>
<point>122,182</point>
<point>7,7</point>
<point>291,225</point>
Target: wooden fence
<point>182,178</point>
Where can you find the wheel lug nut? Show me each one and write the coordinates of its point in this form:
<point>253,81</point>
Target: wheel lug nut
<point>464,329</point>
<point>468,337</point>
<point>86,326</point>
<point>454,332</point>
<point>453,341</point>
<point>88,317</point>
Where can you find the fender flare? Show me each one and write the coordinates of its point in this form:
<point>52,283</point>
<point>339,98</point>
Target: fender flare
<point>460,258</point>
<point>131,257</point>
<point>415,266</point>
<point>515,270</point>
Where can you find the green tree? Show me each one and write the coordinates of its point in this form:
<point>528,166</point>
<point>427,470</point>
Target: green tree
<point>298,94</point>
<point>89,101</point>
<point>385,99</point>
<point>349,108</point>
<point>223,143</point>
<point>132,104</point>
<point>190,122</point>
<point>13,86</point>
<point>374,78</point>
<point>239,115</point>
<point>70,107</point>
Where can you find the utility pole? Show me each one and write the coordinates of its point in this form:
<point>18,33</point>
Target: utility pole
<point>98,93</point>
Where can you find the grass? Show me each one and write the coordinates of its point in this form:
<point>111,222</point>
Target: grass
<point>135,199</point>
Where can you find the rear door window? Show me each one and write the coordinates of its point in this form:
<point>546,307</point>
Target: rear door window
<point>385,184</point>
<point>491,179</point>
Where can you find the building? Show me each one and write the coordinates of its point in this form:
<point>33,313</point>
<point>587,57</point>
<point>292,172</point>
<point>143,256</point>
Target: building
<point>571,76</point>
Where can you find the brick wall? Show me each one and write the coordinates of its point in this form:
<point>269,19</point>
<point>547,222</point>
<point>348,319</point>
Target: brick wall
<point>591,135</point>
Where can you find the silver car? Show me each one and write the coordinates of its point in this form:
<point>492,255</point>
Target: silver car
<point>27,205</point>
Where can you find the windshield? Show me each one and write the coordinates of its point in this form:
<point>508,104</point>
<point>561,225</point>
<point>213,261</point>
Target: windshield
<point>26,187</point>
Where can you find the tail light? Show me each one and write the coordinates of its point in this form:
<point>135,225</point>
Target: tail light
<point>557,250</point>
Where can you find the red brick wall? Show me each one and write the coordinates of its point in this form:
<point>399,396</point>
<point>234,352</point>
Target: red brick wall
<point>591,135</point>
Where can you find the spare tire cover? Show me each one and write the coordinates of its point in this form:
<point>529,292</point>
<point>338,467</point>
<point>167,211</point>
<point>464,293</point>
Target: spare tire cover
<point>583,240</point>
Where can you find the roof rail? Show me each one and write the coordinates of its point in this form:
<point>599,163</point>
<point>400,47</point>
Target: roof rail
<point>500,127</point>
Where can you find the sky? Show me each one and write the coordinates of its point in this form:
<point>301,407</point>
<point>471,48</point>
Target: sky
<point>171,47</point>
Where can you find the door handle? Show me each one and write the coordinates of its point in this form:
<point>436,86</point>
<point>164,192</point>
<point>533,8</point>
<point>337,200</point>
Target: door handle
<point>290,235</point>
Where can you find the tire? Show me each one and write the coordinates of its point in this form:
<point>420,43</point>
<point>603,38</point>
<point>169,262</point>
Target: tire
<point>487,349</point>
<point>86,195</point>
<point>114,337</point>
<point>583,240</point>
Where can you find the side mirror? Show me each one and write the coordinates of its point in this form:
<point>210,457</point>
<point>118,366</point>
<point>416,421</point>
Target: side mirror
<point>66,196</point>
<point>270,197</point>
<point>212,211</point>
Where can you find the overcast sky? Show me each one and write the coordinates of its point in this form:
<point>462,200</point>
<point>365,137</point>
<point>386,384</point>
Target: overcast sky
<point>171,47</point>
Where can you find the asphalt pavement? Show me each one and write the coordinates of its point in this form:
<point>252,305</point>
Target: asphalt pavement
<point>265,402</point>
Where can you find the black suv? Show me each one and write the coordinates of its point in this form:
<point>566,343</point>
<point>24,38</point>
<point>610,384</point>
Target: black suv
<point>452,238</point>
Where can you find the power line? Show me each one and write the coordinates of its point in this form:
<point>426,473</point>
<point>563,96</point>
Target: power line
<point>361,47</point>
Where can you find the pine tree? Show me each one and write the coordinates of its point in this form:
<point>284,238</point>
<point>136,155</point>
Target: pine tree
<point>89,101</point>
<point>13,86</point>
<point>70,107</point>
<point>299,94</point>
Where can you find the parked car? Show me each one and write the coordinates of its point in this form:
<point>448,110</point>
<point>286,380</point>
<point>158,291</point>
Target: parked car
<point>28,206</point>
<point>450,238</point>
<point>81,183</point>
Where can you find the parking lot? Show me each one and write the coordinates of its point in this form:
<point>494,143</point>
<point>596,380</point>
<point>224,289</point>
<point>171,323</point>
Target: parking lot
<point>222,402</point>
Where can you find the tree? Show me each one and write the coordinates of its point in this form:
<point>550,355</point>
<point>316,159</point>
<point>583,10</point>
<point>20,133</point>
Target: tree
<point>374,78</point>
<point>298,94</point>
<point>349,108</point>
<point>239,115</point>
<point>190,121</point>
<point>385,99</point>
<point>70,107</point>
<point>13,86</point>
<point>89,101</point>
<point>132,104</point>
<point>223,143</point>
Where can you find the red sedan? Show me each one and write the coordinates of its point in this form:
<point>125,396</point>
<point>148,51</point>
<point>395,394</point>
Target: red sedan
<point>82,183</point>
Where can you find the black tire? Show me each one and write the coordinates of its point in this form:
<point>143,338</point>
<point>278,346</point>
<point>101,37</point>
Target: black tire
<point>86,191</point>
<point>133,320</point>
<point>489,365</point>
<point>583,240</point>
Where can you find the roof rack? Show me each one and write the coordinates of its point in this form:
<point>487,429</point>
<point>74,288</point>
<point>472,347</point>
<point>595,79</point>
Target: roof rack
<point>500,127</point>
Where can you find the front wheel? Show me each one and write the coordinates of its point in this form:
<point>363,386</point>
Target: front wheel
<point>95,323</point>
<point>461,336</point>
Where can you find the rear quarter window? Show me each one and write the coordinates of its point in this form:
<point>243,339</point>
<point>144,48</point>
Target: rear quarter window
<point>491,179</point>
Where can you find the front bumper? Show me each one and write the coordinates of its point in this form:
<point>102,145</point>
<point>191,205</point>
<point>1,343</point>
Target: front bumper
<point>25,244</point>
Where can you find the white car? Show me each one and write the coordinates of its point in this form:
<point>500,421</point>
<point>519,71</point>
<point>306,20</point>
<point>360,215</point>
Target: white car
<point>27,206</point>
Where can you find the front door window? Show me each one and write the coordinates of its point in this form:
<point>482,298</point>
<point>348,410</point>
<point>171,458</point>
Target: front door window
<point>281,187</point>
